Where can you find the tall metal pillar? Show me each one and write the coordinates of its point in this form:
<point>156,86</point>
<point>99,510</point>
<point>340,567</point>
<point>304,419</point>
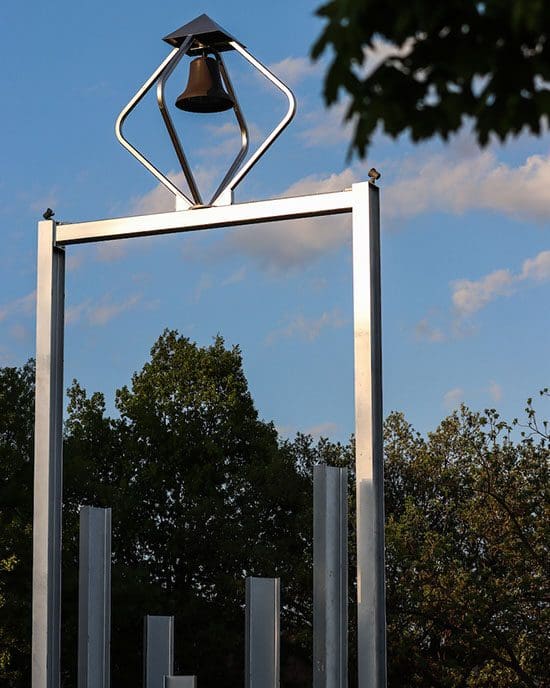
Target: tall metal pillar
<point>158,652</point>
<point>48,461</point>
<point>180,682</point>
<point>262,633</point>
<point>330,577</point>
<point>94,598</point>
<point>371,613</point>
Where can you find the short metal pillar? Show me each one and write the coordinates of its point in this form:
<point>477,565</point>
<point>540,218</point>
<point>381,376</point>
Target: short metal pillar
<point>94,598</point>
<point>48,447</point>
<point>262,633</point>
<point>180,682</point>
<point>330,577</point>
<point>371,613</point>
<point>158,651</point>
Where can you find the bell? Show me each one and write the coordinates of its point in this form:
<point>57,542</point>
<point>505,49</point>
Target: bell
<point>204,92</point>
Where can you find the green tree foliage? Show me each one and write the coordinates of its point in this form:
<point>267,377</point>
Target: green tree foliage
<point>467,538</point>
<point>486,61</point>
<point>203,493</point>
<point>16,441</point>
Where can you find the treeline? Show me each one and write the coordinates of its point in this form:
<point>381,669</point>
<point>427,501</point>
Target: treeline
<point>205,493</point>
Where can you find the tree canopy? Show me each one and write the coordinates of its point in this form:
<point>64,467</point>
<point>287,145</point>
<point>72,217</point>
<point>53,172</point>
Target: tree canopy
<point>204,492</point>
<point>485,61</point>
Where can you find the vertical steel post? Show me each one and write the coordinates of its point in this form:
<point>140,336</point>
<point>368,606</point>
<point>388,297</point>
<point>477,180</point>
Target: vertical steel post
<point>330,577</point>
<point>371,613</point>
<point>48,460</point>
<point>262,633</point>
<point>180,682</point>
<point>158,656</point>
<point>94,598</point>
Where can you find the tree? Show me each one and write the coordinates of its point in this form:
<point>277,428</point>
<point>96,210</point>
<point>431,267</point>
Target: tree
<point>467,552</point>
<point>203,493</point>
<point>486,61</point>
<point>16,442</point>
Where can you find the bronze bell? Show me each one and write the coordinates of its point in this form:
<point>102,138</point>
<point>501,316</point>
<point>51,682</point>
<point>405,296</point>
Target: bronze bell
<point>204,92</point>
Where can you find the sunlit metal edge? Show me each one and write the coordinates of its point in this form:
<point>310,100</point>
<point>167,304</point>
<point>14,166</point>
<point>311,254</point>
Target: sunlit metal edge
<point>134,151</point>
<point>167,119</point>
<point>245,169</point>
<point>293,207</point>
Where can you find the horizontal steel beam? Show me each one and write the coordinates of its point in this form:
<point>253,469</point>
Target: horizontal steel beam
<point>194,219</point>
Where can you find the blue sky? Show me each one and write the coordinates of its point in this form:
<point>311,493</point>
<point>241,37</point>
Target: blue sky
<point>465,247</point>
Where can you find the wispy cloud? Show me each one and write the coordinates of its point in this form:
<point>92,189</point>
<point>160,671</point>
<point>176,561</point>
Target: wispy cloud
<point>495,391</point>
<point>235,277</point>
<point>470,296</point>
<point>460,180</point>
<point>322,429</point>
<point>293,70</point>
<point>23,305</point>
<point>477,182</point>
<point>104,311</point>
<point>308,328</point>
<point>204,284</point>
<point>453,398</point>
<point>424,331</point>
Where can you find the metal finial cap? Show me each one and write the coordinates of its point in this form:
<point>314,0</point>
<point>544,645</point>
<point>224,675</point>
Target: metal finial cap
<point>205,31</point>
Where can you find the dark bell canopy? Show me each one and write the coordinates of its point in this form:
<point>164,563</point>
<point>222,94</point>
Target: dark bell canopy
<point>205,31</point>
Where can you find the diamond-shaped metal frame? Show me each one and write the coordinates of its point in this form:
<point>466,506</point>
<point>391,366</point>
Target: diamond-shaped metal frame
<point>237,171</point>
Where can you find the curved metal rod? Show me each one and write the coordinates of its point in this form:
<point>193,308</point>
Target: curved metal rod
<point>128,109</point>
<point>242,125</point>
<point>278,129</point>
<point>170,126</point>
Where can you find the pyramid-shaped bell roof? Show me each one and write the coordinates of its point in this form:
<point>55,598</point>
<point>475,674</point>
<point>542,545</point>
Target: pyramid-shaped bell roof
<point>206,31</point>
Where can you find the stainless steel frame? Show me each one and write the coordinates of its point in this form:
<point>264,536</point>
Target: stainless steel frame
<point>224,193</point>
<point>362,202</point>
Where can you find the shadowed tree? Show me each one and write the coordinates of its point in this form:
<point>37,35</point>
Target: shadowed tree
<point>485,62</point>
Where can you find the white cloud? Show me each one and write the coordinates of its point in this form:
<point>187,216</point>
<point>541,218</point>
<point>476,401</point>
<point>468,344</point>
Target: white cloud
<point>307,328</point>
<point>495,391</point>
<point>204,284</point>
<point>322,429</point>
<point>99,314</point>
<point>227,142</point>
<point>235,277</point>
<point>476,182</point>
<point>105,312</point>
<point>469,296</point>
<point>24,305</point>
<point>453,398</point>
<point>292,70</point>
<point>537,268</point>
<point>326,127</point>
<point>424,331</point>
<point>460,180</point>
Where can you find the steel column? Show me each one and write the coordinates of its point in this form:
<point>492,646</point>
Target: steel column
<point>262,633</point>
<point>94,598</point>
<point>48,461</point>
<point>330,577</point>
<point>180,682</point>
<point>158,653</point>
<point>371,613</point>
